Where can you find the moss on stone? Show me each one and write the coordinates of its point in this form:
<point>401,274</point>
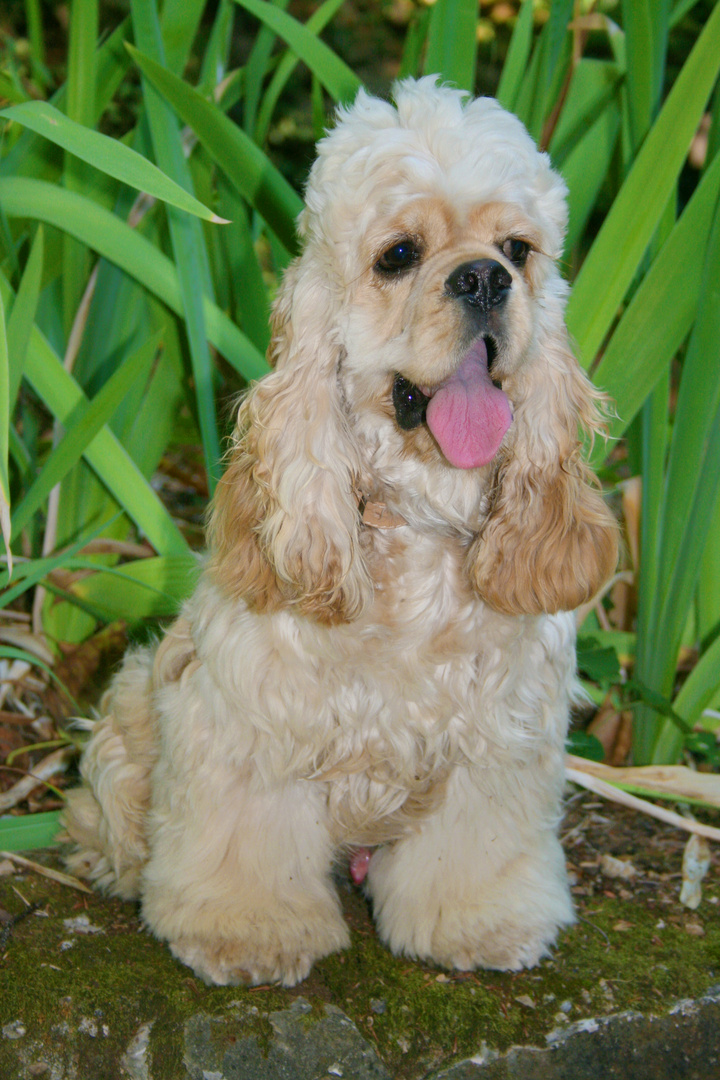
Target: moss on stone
<point>86,1003</point>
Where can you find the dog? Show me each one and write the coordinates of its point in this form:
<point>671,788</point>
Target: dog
<point>380,654</point>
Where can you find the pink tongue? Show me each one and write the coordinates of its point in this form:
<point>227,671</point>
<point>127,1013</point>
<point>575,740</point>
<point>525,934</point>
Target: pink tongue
<point>468,415</point>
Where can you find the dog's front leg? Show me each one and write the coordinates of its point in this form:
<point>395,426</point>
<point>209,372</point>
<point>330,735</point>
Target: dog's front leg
<point>482,882</point>
<point>238,881</point>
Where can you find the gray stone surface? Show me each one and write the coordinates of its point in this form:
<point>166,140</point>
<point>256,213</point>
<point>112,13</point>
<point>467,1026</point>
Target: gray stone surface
<point>302,1047</point>
<point>302,1043</point>
<point>683,1045</point>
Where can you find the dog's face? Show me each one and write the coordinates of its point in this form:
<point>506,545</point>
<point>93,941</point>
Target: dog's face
<point>440,320</point>
<point>441,221</point>
<point>421,356</point>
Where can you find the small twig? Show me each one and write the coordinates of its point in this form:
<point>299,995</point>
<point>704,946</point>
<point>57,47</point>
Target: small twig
<point>626,577</point>
<point>593,927</point>
<point>600,787</point>
<point>45,871</point>
<point>12,923</point>
<point>53,763</point>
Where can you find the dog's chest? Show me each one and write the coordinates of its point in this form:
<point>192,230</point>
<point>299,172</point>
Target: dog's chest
<point>437,681</point>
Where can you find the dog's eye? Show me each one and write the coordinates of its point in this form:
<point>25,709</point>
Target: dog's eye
<point>516,251</point>
<point>401,256</point>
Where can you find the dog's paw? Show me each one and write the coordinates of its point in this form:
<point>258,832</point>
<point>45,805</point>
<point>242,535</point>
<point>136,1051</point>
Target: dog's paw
<point>263,953</point>
<point>470,939</point>
<point>465,920</point>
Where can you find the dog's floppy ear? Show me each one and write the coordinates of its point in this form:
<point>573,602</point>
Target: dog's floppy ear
<point>284,527</point>
<point>550,542</point>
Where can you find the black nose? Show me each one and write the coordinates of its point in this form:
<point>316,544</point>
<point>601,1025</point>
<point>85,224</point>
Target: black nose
<point>483,283</point>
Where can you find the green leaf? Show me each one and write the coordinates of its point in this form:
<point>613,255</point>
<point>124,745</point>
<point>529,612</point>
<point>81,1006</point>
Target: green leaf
<point>29,832</point>
<point>4,438</point>
<point>29,572</point>
<point>34,156</point>
<point>594,86</point>
<point>415,38</point>
<point>107,154</point>
<point>646,696</point>
<point>452,42</point>
<point>62,395</point>
<point>87,421</point>
<point>128,249</point>
<point>22,315</point>
<point>146,588</point>
<point>700,686</point>
<point>585,746</point>
<point>244,164</point>
<point>636,212</point>
<point>315,24</point>
<point>338,79</point>
<point>186,236</point>
<point>179,22</point>
<point>517,58</point>
<point>598,663</point>
<point>83,33</point>
<point>692,490</point>
<point>258,64</point>
<point>661,312</point>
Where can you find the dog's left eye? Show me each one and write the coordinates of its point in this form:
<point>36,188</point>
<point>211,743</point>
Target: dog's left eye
<point>516,251</point>
<point>401,256</point>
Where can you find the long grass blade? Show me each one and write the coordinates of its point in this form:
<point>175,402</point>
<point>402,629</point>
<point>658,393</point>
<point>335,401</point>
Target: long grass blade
<point>415,38</point>
<point>62,395</point>
<point>128,249</point>
<point>341,83</point>
<point>84,22</point>
<point>34,156</point>
<point>452,42</point>
<point>186,236</point>
<point>245,165</point>
<point>29,831</point>
<point>628,228</point>
<point>179,23</point>
<point>693,474</point>
<point>22,315</point>
<point>87,421</point>
<point>661,312</point>
<point>315,24</point>
<point>106,154</point>
<point>5,527</point>
<point>708,589</point>
<point>257,67</point>
<point>517,58</point>
<point>143,589</point>
<point>692,491</point>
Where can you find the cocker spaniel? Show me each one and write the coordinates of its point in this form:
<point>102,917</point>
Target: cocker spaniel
<point>380,653</point>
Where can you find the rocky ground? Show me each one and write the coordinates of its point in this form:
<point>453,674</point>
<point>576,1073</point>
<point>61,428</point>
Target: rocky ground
<point>632,990</point>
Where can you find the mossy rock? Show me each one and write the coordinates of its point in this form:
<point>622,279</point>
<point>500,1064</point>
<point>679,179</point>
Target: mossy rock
<point>101,998</point>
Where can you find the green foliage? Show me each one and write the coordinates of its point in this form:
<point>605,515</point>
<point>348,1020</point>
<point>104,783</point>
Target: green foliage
<point>114,305</point>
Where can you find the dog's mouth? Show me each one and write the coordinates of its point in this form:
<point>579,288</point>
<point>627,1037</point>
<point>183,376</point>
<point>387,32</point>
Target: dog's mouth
<point>468,413</point>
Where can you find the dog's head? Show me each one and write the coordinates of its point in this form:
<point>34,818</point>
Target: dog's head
<point>420,357</point>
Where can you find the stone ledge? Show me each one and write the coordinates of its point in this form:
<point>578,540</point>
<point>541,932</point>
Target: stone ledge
<point>681,1045</point>
<point>306,1043</point>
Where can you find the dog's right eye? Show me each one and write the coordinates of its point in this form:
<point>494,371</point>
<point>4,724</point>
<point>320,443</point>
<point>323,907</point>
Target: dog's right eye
<point>401,256</point>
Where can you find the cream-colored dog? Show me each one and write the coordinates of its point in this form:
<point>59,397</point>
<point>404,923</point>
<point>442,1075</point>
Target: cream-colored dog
<point>380,651</point>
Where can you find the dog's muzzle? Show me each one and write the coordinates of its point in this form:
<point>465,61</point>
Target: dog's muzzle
<point>482,285</point>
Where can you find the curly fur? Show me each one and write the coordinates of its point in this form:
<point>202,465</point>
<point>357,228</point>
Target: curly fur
<point>331,684</point>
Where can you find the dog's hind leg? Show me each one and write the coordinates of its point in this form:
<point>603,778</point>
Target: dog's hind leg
<point>106,817</point>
